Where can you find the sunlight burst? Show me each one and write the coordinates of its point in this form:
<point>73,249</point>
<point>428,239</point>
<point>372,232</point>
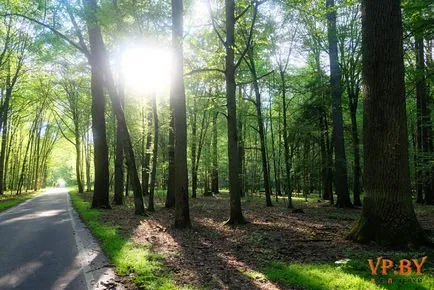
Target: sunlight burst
<point>146,70</point>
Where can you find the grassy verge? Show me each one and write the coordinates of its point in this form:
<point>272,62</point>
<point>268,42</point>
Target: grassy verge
<point>350,274</point>
<point>129,258</point>
<point>9,201</point>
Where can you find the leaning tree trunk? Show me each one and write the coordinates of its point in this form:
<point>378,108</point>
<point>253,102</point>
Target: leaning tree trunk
<point>182,208</point>
<point>338,123</point>
<point>100,67</point>
<point>387,216</point>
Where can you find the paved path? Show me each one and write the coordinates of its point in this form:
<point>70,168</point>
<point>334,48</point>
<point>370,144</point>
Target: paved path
<point>44,245</point>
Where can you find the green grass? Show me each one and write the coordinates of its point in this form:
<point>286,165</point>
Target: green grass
<point>351,275</point>
<point>13,200</point>
<point>129,258</point>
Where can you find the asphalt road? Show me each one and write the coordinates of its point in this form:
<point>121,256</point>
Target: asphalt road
<point>44,245</point>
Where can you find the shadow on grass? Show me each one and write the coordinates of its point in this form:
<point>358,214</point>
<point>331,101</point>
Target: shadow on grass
<point>214,256</point>
<point>134,260</point>
<point>329,276</point>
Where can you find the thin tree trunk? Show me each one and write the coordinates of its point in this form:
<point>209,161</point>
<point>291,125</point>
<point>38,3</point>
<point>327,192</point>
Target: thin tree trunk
<point>170,196</point>
<point>151,206</point>
<point>4,139</point>
<point>214,172</point>
<point>119,155</point>
<point>356,152</point>
<point>424,126</point>
<point>341,180</point>
<point>273,151</point>
<point>146,161</point>
<point>260,119</point>
<point>194,152</point>
<point>285,141</point>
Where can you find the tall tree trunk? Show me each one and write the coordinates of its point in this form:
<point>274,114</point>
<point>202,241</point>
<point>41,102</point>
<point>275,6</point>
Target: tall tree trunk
<point>341,180</point>
<point>260,119</point>
<point>182,209</point>
<point>356,153</point>
<point>87,154</point>
<point>119,155</point>
<point>5,112</point>
<point>147,152</point>
<point>286,141</point>
<point>388,215</point>
<point>37,158</point>
<point>78,156</point>
<point>151,206</point>
<point>100,67</point>
<point>101,166</point>
<point>241,152</point>
<point>236,215</point>
<point>101,185</point>
<point>273,151</point>
<point>170,196</point>
<point>215,168</point>
<point>194,152</point>
<point>26,153</point>
<point>424,121</point>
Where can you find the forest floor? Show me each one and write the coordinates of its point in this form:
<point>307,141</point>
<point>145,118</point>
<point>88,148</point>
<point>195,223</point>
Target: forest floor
<point>212,255</point>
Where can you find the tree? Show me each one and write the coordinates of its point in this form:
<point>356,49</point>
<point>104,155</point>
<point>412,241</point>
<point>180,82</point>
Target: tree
<point>387,216</point>
<point>350,52</point>
<point>151,205</point>
<point>236,215</point>
<point>177,94</point>
<point>341,180</point>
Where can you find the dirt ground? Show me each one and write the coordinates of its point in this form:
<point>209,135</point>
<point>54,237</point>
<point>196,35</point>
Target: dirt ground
<point>218,256</point>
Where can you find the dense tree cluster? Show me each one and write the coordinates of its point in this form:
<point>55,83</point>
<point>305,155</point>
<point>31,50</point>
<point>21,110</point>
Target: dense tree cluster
<point>265,98</point>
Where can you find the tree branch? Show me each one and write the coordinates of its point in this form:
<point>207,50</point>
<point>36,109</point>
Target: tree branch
<point>55,31</point>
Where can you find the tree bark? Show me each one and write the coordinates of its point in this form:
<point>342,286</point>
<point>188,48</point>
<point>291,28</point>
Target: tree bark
<point>423,115</point>
<point>236,215</point>
<point>387,216</point>
<point>273,151</point>
<point>194,152</point>
<point>119,155</point>
<point>286,141</point>
<point>177,94</point>
<point>151,205</point>
<point>147,154</point>
<point>260,119</point>
<point>170,196</point>
<point>356,152</point>
<point>100,67</point>
<point>214,170</point>
<point>341,180</point>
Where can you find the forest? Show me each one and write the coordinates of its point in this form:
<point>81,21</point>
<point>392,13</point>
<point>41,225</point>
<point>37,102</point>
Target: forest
<point>206,144</point>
